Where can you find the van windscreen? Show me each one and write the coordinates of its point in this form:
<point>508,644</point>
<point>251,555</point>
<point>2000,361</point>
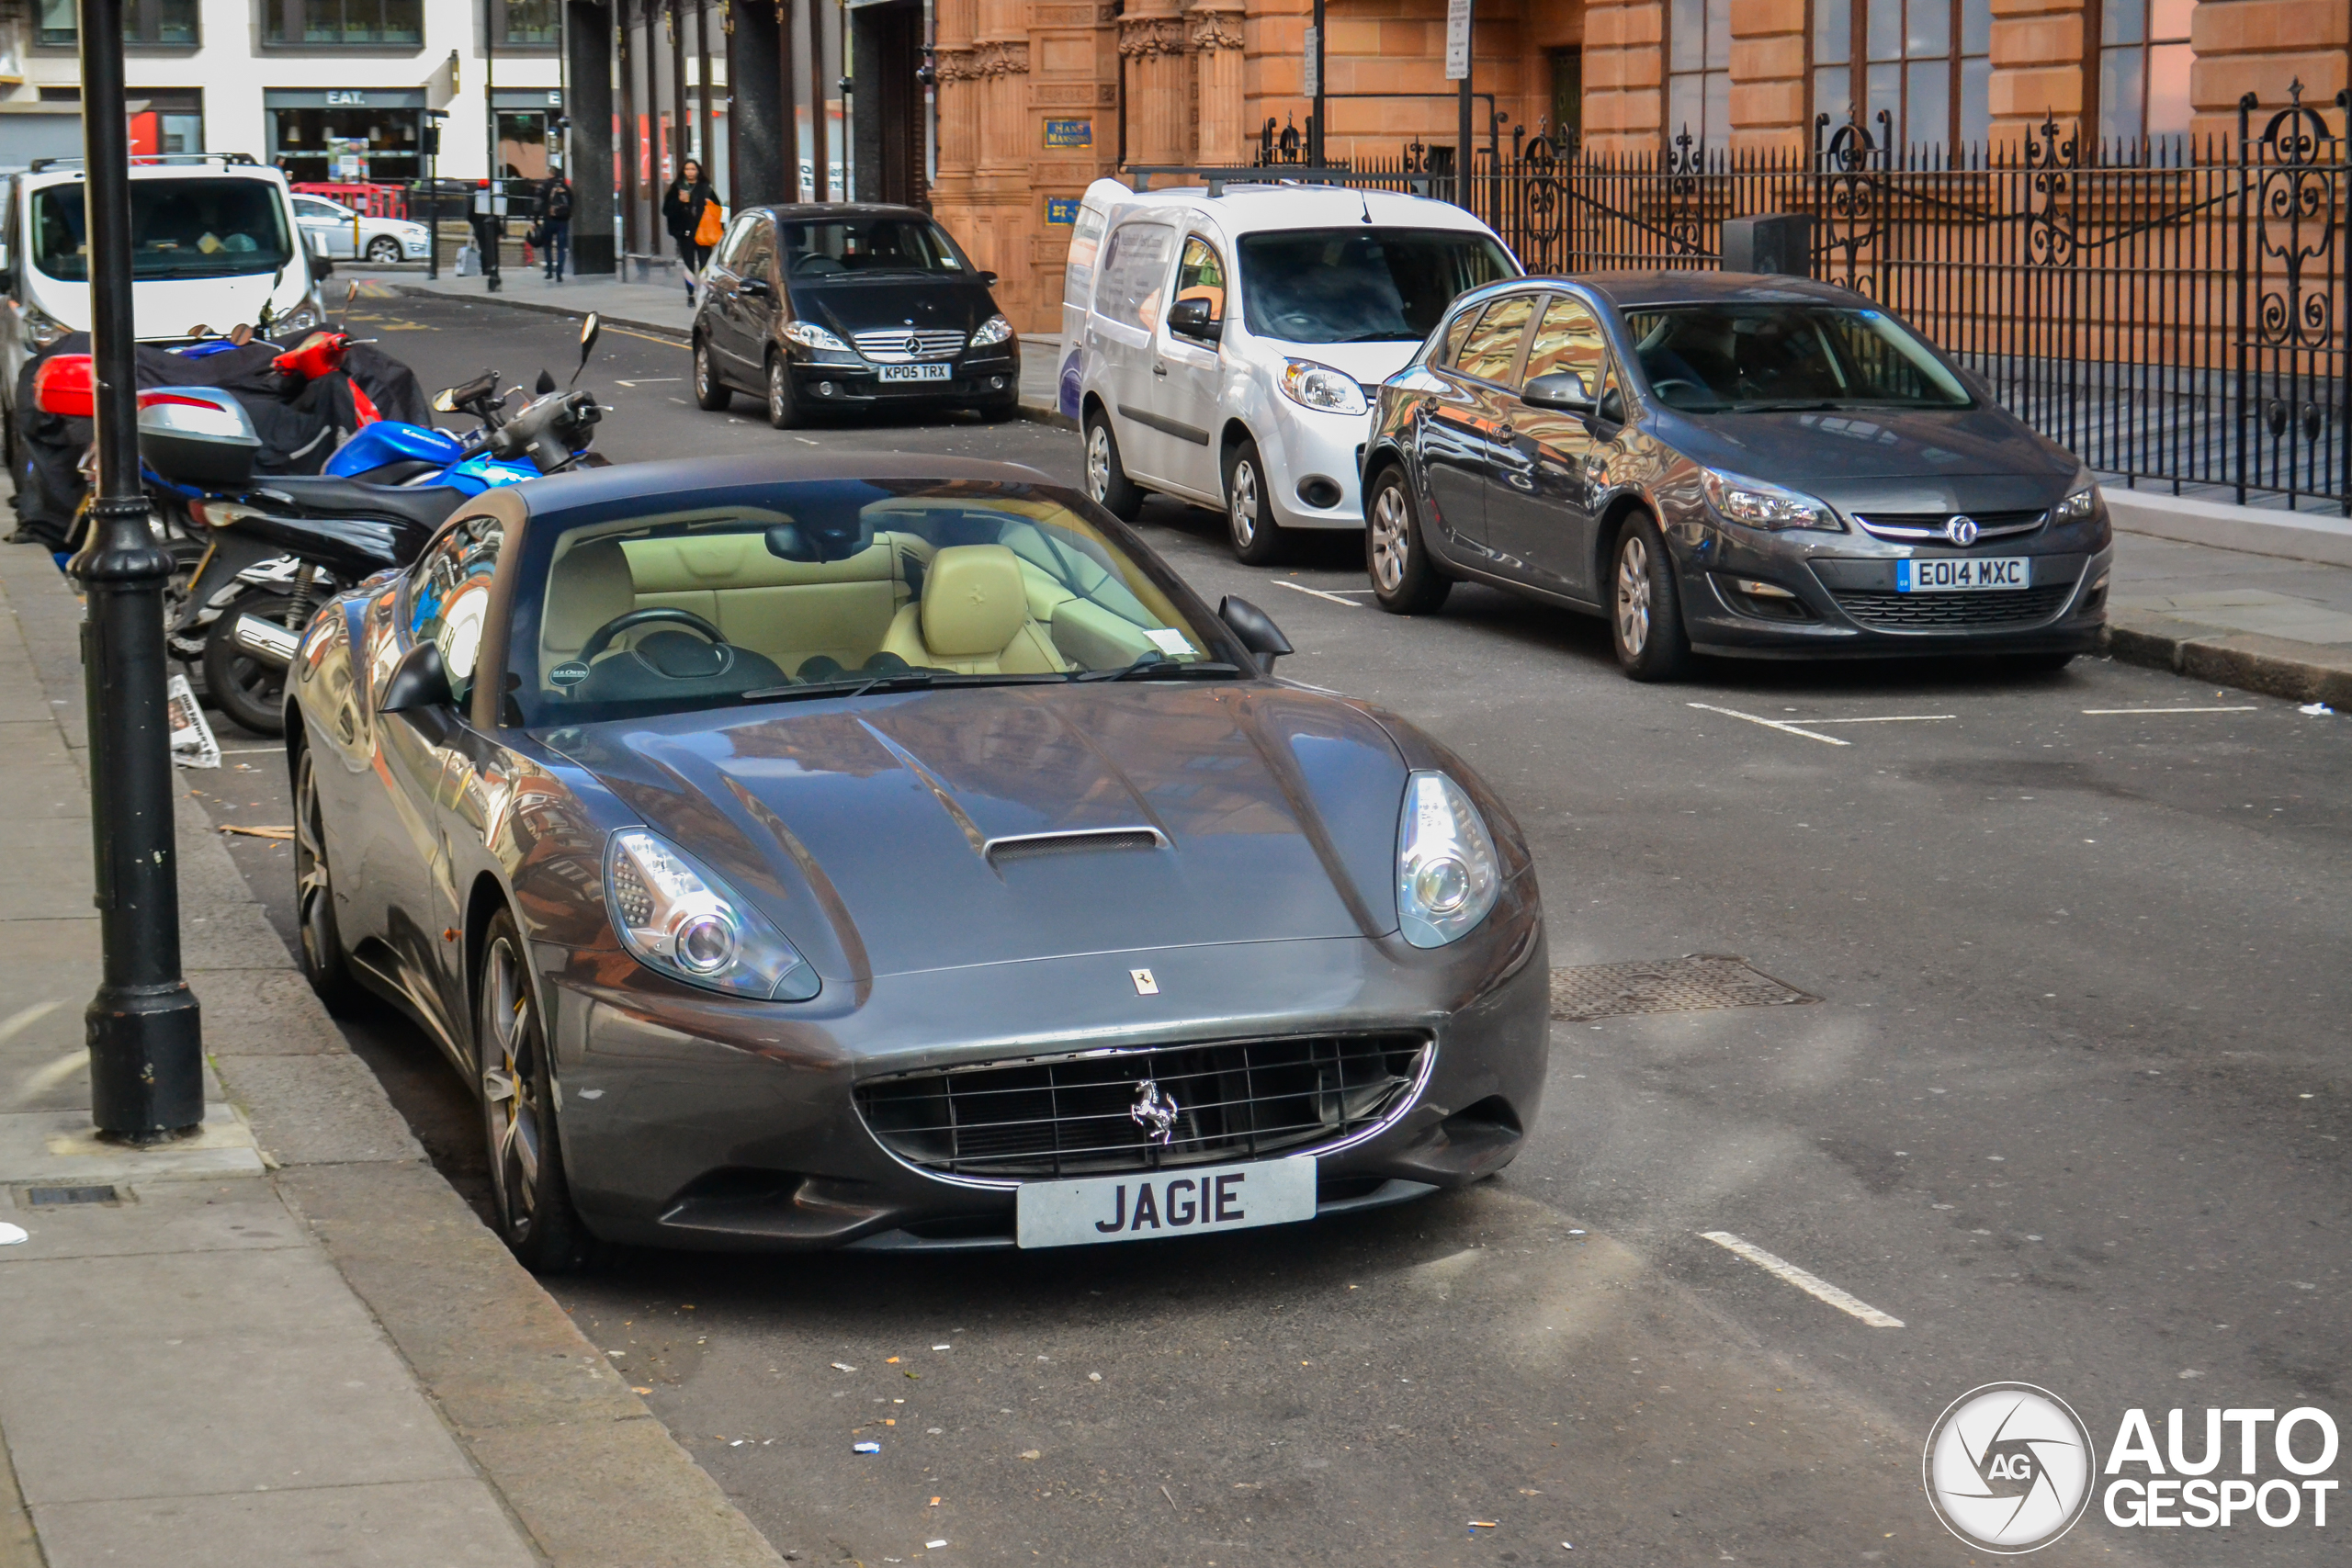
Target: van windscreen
<point>1361,285</point>
<point>198,227</point>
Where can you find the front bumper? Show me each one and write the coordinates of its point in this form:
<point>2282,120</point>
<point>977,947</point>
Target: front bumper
<point>975,381</point>
<point>691,1123</point>
<point>1314,465</point>
<point>1841,601</point>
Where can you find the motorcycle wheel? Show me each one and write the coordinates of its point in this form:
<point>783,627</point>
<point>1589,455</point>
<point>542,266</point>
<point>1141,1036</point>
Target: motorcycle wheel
<point>249,691</point>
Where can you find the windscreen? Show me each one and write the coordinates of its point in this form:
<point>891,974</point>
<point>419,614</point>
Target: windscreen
<point>1753,359</point>
<point>1361,285</point>
<point>181,227</point>
<point>867,245</point>
<point>824,589</point>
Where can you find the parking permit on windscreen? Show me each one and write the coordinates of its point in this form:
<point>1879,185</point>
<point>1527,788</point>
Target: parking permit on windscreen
<point>1170,641</point>
<point>1163,1203</point>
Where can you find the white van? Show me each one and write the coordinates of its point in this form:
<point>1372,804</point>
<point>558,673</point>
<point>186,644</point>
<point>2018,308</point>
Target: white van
<point>1231,343</point>
<point>214,243</point>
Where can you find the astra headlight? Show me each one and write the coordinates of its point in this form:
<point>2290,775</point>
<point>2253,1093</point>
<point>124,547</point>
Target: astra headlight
<point>1447,875</point>
<point>678,917</point>
<point>1759,503</point>
<point>2079,504</point>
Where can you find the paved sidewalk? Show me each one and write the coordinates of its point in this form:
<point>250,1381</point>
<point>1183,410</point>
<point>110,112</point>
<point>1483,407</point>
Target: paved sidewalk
<point>288,1342</point>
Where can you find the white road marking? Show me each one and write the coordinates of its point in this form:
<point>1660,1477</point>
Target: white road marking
<point>1771,724</point>
<point>250,750</point>
<point>1888,718</point>
<point>2242,707</point>
<point>646,380</point>
<point>1302,588</point>
<point>1812,1285</point>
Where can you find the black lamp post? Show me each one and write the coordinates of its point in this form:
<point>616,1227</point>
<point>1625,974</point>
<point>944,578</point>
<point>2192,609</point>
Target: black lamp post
<point>145,1035</point>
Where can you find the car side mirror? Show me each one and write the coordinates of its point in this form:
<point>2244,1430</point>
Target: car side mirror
<point>1190,318</point>
<point>1561,390</point>
<point>989,278</point>
<point>1978,387</point>
<point>753,288</point>
<point>1255,628</point>
<point>418,681</point>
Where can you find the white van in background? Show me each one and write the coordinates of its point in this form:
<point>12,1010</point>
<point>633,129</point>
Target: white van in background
<point>214,243</point>
<point>1225,348</point>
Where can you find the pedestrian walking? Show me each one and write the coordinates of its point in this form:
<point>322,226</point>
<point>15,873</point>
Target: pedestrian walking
<point>554,219</point>
<point>690,210</point>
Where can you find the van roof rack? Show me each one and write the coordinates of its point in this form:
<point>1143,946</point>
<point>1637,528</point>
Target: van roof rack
<point>226,158</point>
<point>1219,176</point>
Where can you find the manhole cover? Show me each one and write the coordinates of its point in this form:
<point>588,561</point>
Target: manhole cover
<point>44,1197</point>
<point>1670,984</point>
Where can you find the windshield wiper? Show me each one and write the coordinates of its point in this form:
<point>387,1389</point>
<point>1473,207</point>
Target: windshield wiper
<point>1783,408</point>
<point>892,680</point>
<point>1154,666</point>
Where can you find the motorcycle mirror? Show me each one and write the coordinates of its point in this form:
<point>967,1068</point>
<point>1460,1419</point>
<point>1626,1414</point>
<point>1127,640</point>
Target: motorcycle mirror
<point>590,330</point>
<point>545,384</point>
<point>445,400</point>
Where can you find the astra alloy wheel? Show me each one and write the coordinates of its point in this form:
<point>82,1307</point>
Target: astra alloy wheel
<point>711,395</point>
<point>1646,611</point>
<point>530,1200</point>
<point>1106,479</point>
<point>383,249</point>
<point>324,964</point>
<point>783,404</point>
<point>1396,557</point>
<point>1249,527</point>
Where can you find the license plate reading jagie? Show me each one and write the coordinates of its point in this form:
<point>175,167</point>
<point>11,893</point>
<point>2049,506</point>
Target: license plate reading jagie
<point>916,372</point>
<point>1163,1203</point>
<point>1963,574</point>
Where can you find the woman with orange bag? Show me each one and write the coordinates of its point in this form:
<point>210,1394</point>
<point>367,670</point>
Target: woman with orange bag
<point>695,218</point>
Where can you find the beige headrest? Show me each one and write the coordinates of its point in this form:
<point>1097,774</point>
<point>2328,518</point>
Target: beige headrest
<point>973,600</point>
<point>589,586</point>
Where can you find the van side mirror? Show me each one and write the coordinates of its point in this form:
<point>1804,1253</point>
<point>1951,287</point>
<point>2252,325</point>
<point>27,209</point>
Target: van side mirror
<point>321,264</point>
<point>419,681</point>
<point>1190,318</point>
<point>1255,628</point>
<point>1562,389</point>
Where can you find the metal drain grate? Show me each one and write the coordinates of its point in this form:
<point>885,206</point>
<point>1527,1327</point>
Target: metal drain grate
<point>44,1197</point>
<point>1670,984</point>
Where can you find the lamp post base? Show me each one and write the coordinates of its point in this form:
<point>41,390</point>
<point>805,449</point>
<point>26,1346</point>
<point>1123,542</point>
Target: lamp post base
<point>146,1062</point>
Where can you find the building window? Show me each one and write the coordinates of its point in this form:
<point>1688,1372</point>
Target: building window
<point>294,23</point>
<point>148,24</point>
<point>346,145</point>
<point>1697,98</point>
<point>2143,71</point>
<point>527,24</point>
<point>166,121</point>
<point>1567,100</point>
<point>1926,65</point>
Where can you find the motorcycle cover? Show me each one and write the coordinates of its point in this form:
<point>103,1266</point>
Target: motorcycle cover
<point>299,422</point>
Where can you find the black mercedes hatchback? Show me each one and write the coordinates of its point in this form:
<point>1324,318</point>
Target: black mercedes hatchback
<point>850,307</point>
<point>1728,464</point>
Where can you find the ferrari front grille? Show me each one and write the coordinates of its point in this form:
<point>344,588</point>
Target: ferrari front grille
<point>1100,1113</point>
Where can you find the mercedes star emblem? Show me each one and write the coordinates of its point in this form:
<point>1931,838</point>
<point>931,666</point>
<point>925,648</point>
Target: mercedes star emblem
<point>1960,529</point>
<point>1153,1112</point>
<point>914,345</point>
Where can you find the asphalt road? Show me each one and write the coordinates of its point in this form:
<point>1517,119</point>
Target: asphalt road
<point>2071,1104</point>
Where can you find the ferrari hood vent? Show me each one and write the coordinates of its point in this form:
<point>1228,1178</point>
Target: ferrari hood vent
<point>1030,846</point>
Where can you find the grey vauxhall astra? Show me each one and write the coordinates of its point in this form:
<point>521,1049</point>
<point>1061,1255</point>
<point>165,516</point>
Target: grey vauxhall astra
<point>1731,464</point>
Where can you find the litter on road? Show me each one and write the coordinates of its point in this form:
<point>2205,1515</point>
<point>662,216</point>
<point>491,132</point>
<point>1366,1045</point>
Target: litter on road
<point>11,1236</point>
<point>843,1367</point>
<point>2316,710</point>
<point>865,1448</point>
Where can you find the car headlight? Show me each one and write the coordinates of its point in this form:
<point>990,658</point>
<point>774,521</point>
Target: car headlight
<point>1760,504</point>
<point>809,334</point>
<point>995,329</point>
<point>1320,387</point>
<point>1447,875</point>
<point>39,327</point>
<point>304,318</point>
<point>2080,503</point>
<point>678,917</point>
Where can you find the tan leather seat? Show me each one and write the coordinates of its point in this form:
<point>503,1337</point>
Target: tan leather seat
<point>974,617</point>
<point>791,611</point>
<point>589,585</point>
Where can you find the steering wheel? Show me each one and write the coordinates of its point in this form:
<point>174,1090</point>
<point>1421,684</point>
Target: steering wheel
<point>652,614</point>
<point>1660,387</point>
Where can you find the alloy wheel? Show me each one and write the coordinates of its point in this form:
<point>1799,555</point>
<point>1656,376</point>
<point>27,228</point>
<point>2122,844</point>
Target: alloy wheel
<point>1633,595</point>
<point>1242,504</point>
<point>313,888</point>
<point>510,1088</point>
<point>1098,462</point>
<point>1390,538</point>
<point>702,370</point>
<point>384,250</point>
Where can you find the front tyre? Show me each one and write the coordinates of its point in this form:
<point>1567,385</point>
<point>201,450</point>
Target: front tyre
<point>324,963</point>
<point>783,404</point>
<point>1645,606</point>
<point>1106,479</point>
<point>1395,555</point>
<point>1249,527</point>
<point>248,691</point>
<point>383,249</point>
<point>711,395</point>
<point>530,1200</point>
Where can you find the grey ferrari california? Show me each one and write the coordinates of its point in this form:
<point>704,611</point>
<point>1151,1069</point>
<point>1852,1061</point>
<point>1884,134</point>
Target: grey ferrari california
<point>893,853</point>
